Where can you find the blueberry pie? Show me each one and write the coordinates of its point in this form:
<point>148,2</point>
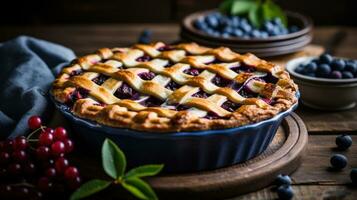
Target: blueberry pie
<point>166,88</point>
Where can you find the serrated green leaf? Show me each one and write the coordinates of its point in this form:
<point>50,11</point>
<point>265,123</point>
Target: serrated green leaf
<point>145,170</point>
<point>225,6</point>
<point>272,10</point>
<point>139,189</point>
<point>113,159</point>
<point>242,7</point>
<point>89,188</point>
<point>256,16</point>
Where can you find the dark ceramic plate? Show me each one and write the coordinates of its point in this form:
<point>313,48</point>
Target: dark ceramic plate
<point>180,151</point>
<point>304,23</point>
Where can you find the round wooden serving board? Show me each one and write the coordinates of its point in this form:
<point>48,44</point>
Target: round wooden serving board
<point>283,156</point>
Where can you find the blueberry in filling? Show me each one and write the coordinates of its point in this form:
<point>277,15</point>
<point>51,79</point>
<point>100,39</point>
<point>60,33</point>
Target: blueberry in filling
<point>221,82</point>
<point>152,102</point>
<point>99,80</point>
<point>126,92</point>
<point>269,78</point>
<point>230,106</point>
<point>192,71</point>
<point>201,94</point>
<point>212,115</point>
<point>144,58</point>
<point>243,68</point>
<point>165,48</point>
<point>172,85</point>
<point>247,93</point>
<point>76,72</point>
<point>146,75</point>
<point>79,93</point>
<point>182,107</point>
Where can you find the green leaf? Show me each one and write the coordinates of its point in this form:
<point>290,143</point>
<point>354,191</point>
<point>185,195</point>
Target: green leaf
<point>256,16</point>
<point>242,7</point>
<point>89,188</point>
<point>113,159</point>
<point>139,189</point>
<point>145,170</point>
<point>272,10</point>
<point>225,6</point>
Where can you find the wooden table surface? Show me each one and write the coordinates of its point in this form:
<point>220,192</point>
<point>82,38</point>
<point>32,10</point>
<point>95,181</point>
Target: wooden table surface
<point>312,180</point>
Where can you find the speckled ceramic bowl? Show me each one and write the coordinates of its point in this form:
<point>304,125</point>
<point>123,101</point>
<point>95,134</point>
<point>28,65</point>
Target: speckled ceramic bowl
<point>323,93</point>
<point>181,151</point>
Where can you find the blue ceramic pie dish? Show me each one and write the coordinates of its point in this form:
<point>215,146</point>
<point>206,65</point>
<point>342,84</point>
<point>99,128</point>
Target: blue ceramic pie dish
<point>180,151</point>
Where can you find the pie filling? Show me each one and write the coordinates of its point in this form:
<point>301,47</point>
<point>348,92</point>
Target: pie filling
<point>186,78</point>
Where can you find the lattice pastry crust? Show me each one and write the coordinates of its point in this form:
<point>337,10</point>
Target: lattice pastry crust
<point>165,88</point>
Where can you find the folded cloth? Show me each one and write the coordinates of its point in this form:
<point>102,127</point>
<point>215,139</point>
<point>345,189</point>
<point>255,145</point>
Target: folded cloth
<point>27,68</point>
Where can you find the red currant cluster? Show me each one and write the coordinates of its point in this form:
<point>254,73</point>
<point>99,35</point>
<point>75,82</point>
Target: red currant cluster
<point>37,164</point>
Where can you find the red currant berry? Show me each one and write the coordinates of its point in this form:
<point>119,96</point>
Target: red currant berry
<point>44,184</point>
<point>45,139</point>
<point>71,173</point>
<point>9,145</point>
<point>14,168</point>
<point>60,134</point>
<point>19,156</point>
<point>4,157</point>
<point>68,145</point>
<point>42,152</point>
<point>57,148</point>
<point>51,172</point>
<point>29,168</point>
<point>34,122</point>
<point>61,165</point>
<point>74,183</point>
<point>20,143</point>
<point>48,163</point>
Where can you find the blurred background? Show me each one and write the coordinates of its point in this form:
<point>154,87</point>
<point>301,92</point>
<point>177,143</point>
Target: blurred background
<point>47,12</point>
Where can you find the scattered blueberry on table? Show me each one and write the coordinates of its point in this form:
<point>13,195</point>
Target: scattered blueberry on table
<point>221,25</point>
<point>282,180</point>
<point>285,192</point>
<point>327,66</point>
<point>343,142</point>
<point>338,161</point>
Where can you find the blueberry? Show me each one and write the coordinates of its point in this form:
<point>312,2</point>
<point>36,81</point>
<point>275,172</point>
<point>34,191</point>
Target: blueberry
<point>275,32</point>
<point>264,34</point>
<point>310,67</point>
<point>145,37</point>
<point>353,176</point>
<point>246,27</point>
<point>238,33</point>
<point>225,35</point>
<point>277,21</point>
<point>325,58</point>
<point>323,70</point>
<point>268,26</point>
<point>338,161</point>
<point>293,29</point>
<point>255,33</point>
<point>351,67</point>
<point>224,21</point>
<point>343,142</point>
<point>282,180</point>
<point>338,64</point>
<point>212,21</point>
<point>235,21</point>
<point>336,75</point>
<point>311,74</point>
<point>228,30</point>
<point>200,24</point>
<point>299,70</point>
<point>347,75</point>
<point>285,192</point>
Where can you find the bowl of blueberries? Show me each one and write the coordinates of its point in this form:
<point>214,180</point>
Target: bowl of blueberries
<point>325,82</point>
<point>214,28</point>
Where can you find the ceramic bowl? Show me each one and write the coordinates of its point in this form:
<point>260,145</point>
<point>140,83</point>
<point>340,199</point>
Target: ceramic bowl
<point>323,93</point>
<point>179,151</point>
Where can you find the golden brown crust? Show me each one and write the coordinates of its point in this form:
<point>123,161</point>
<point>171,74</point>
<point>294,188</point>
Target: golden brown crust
<point>121,65</point>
